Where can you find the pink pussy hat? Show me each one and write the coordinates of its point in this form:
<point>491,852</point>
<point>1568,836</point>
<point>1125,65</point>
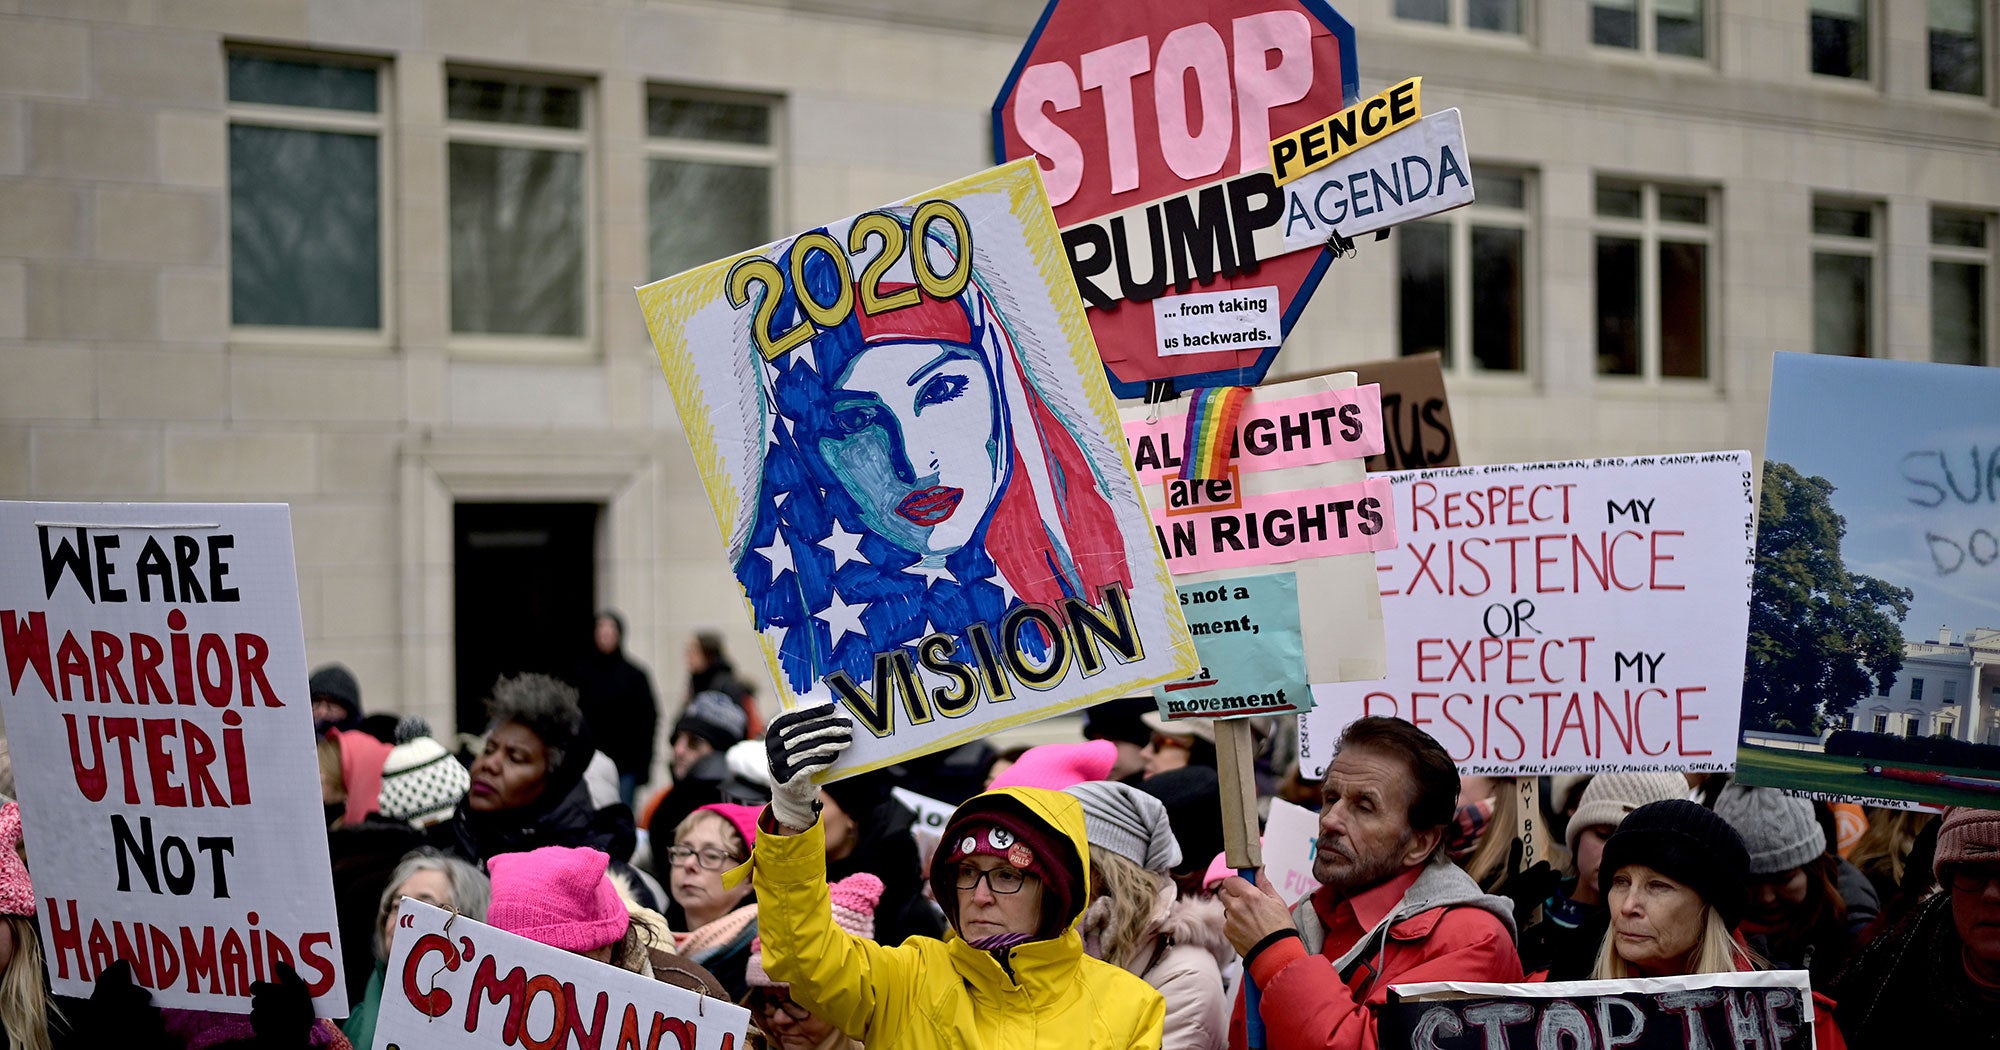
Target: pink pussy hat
<point>1059,766</point>
<point>17,894</point>
<point>854,901</point>
<point>559,896</point>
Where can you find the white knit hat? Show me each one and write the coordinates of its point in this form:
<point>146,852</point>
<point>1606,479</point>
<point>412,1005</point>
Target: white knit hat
<point>421,781</point>
<point>1609,796</point>
<point>1779,830</point>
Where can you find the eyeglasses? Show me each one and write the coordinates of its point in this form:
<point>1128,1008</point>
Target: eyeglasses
<point>706,859</point>
<point>999,880</point>
<point>1969,879</point>
<point>773,1005</point>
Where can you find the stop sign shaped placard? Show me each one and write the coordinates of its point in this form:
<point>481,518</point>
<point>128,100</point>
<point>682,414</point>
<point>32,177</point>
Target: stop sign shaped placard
<point>1152,120</point>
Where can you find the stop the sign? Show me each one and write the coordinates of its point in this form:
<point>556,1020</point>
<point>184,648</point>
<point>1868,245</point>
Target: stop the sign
<point>1152,122</point>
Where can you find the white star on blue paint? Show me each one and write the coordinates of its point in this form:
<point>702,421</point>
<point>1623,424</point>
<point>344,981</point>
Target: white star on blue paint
<point>845,545</point>
<point>779,554</point>
<point>841,619</point>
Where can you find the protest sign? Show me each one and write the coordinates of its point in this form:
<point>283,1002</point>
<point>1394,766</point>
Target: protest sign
<point>1152,125</point>
<point>454,983</point>
<point>1416,418</point>
<point>1420,171</point>
<point>1873,670</point>
<point>908,443</point>
<point>1246,629</point>
<point>1772,1010</point>
<point>1291,840</point>
<point>1562,617</point>
<point>928,829</point>
<point>161,734</point>
<point>1297,501</point>
<point>1322,142</point>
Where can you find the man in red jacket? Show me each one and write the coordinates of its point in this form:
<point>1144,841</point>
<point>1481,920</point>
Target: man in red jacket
<point>1391,909</point>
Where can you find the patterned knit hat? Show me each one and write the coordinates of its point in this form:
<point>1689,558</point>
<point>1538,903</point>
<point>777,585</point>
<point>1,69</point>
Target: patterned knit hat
<point>854,901</point>
<point>421,781</point>
<point>1779,830</point>
<point>17,894</point>
<point>559,896</point>
<point>1967,836</point>
<point>1609,796</point>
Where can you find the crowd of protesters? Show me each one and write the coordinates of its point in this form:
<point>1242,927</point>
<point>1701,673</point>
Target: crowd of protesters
<point>1076,896</point>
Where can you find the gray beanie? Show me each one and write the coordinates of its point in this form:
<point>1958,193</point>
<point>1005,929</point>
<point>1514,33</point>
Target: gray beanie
<point>1779,830</point>
<point>1609,796</point>
<point>1128,822</point>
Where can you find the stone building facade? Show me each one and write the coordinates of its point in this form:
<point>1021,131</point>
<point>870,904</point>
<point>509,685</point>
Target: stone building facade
<point>456,373</point>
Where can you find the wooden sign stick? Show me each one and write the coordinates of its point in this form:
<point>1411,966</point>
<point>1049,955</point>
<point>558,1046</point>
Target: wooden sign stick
<point>1242,845</point>
<point>1235,756</point>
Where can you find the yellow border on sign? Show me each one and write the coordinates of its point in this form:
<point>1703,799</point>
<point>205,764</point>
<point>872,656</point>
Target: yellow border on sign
<point>1324,131</point>
<point>669,299</point>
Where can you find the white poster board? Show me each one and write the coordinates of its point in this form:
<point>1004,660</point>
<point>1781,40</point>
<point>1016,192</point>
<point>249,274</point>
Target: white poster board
<point>1562,617</point>
<point>1291,839</point>
<point>162,739</point>
<point>455,983</point>
<point>904,429</point>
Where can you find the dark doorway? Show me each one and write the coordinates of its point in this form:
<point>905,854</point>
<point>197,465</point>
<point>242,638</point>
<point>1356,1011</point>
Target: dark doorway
<point>524,593</point>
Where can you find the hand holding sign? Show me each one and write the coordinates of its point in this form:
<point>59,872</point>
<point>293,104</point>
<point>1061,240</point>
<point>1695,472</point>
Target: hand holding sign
<point>801,742</point>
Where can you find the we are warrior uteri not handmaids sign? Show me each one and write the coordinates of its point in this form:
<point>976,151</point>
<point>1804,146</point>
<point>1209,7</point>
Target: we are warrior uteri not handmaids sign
<point>162,739</point>
<point>913,454</point>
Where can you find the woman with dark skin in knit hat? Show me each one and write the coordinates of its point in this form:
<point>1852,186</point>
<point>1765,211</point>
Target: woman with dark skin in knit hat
<point>1013,875</point>
<point>1673,876</point>
<point>527,783</point>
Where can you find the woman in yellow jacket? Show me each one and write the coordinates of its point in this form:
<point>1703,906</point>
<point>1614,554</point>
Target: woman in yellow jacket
<point>1011,874</point>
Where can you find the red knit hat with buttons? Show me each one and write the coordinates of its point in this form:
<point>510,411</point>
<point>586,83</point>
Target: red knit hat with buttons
<point>17,894</point>
<point>559,896</point>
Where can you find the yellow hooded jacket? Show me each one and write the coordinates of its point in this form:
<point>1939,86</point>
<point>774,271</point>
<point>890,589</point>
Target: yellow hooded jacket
<point>929,993</point>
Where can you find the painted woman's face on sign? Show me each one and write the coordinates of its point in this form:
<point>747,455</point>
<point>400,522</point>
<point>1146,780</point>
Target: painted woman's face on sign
<point>911,436</point>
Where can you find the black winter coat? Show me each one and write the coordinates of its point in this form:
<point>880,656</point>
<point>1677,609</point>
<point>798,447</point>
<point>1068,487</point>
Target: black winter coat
<point>1909,984</point>
<point>619,706</point>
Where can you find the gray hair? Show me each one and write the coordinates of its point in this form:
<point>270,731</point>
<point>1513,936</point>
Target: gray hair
<point>545,706</point>
<point>471,891</point>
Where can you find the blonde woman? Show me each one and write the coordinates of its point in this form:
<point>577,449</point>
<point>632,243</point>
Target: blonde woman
<point>29,1019</point>
<point>1138,921</point>
<point>1675,877</point>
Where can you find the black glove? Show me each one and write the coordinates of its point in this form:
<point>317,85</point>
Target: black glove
<point>121,1013</point>
<point>801,742</point>
<point>1530,888</point>
<point>281,1011</point>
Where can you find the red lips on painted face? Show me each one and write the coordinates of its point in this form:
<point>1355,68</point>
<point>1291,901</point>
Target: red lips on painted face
<point>930,506</point>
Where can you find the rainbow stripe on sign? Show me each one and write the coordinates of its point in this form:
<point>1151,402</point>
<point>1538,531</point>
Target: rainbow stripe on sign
<point>1211,432</point>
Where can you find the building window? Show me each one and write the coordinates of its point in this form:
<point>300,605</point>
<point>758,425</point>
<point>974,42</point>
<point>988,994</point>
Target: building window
<point>1958,46</point>
<point>1497,16</point>
<point>1653,280</point>
<point>1950,691</point>
<point>519,206</point>
<point>1840,38</point>
<point>1913,725</point>
<point>1959,288</point>
<point>306,164</point>
<point>1946,727</point>
<point>1844,250</point>
<point>1668,27</point>
<point>1881,723</point>
<point>711,176</point>
<point>1916,689</point>
<point>1463,279</point>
